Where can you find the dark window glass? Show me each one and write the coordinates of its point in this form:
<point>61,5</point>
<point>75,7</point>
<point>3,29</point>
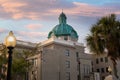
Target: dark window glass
<point>102,70</point>
<point>98,70</point>
<point>97,61</point>
<point>101,59</point>
<point>92,62</point>
<point>77,57</point>
<point>92,69</point>
<point>67,75</point>
<point>77,54</point>
<point>67,53</point>
<point>106,69</point>
<point>103,77</point>
<point>106,59</point>
<point>67,64</point>
<point>78,77</point>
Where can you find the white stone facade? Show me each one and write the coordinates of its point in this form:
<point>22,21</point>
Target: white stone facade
<point>60,60</point>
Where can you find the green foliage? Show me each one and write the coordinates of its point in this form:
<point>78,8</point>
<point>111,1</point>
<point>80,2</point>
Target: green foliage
<point>19,64</point>
<point>105,34</point>
<point>3,61</point>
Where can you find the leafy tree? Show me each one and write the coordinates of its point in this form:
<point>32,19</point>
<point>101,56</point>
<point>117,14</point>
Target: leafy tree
<point>3,62</point>
<point>20,65</point>
<point>105,38</point>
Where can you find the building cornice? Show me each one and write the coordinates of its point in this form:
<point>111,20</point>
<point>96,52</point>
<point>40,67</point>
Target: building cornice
<point>60,41</point>
<point>25,44</point>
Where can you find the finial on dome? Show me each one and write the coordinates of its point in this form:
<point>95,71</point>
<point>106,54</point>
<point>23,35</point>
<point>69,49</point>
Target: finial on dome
<point>62,10</point>
<point>62,18</point>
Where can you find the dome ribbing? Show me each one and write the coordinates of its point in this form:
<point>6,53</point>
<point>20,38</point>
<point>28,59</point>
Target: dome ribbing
<point>63,29</point>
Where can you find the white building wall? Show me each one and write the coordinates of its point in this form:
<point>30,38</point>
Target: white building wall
<point>53,61</point>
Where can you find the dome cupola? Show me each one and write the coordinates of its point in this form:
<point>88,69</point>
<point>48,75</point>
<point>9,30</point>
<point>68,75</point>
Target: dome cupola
<point>63,30</point>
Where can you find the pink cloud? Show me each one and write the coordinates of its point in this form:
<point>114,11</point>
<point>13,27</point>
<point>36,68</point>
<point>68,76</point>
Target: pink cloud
<point>31,36</point>
<point>18,16</point>
<point>33,15</point>
<point>2,30</point>
<point>19,9</point>
<point>90,10</point>
<point>84,9</point>
<point>13,8</point>
<point>40,9</point>
<point>34,26</point>
<point>117,12</point>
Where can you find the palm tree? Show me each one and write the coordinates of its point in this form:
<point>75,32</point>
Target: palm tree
<point>105,39</point>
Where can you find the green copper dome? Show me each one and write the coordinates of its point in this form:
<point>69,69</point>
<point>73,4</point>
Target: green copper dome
<point>63,29</point>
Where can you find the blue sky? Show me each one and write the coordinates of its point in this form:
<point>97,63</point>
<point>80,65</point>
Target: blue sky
<point>31,20</point>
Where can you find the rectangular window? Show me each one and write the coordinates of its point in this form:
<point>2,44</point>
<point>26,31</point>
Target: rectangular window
<point>101,59</point>
<point>97,61</point>
<point>106,59</point>
<point>67,52</point>
<point>77,57</point>
<point>102,70</point>
<point>107,69</point>
<point>32,62</point>
<point>98,70</point>
<point>92,69</point>
<point>77,54</point>
<point>92,62</point>
<point>67,75</point>
<point>84,69</point>
<point>35,62</point>
<point>66,38</point>
<point>88,69</point>
<point>103,77</point>
<point>67,64</point>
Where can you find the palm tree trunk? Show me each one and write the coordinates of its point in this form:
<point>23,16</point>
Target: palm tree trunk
<point>114,68</point>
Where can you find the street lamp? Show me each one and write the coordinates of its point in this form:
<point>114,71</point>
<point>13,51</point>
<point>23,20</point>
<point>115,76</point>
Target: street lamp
<point>10,43</point>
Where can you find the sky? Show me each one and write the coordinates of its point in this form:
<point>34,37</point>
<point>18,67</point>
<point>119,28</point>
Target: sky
<point>32,20</point>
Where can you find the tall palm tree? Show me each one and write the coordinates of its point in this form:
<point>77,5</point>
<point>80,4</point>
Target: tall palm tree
<point>105,38</point>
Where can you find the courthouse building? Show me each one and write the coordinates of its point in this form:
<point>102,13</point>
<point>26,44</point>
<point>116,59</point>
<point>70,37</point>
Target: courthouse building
<point>61,57</point>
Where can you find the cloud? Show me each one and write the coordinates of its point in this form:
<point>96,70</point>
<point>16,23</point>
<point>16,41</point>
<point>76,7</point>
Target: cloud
<point>48,9</point>
<point>34,26</point>
<point>3,30</point>
<point>19,9</point>
<point>31,34</point>
<point>30,39</point>
<point>11,8</point>
<point>84,9</point>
